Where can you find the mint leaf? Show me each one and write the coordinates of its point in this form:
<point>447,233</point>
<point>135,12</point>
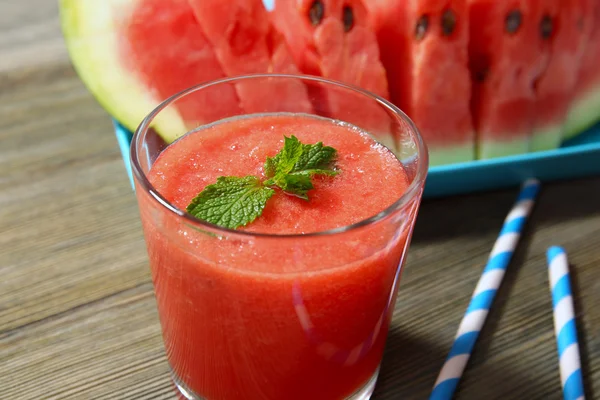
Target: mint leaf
<point>292,168</point>
<point>284,161</point>
<point>298,184</point>
<point>231,202</point>
<point>271,166</point>
<point>316,158</point>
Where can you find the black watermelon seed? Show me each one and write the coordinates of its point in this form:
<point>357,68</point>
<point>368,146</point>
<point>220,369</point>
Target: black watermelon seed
<point>421,27</point>
<point>448,22</point>
<point>481,75</point>
<point>348,18</point>
<point>316,12</point>
<point>546,27</point>
<point>512,22</point>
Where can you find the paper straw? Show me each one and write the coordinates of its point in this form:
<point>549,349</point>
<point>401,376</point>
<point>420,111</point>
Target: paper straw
<point>564,325</point>
<point>485,292</point>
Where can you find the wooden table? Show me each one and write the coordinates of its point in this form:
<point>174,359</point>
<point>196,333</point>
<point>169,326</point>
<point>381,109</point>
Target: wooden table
<point>77,312</point>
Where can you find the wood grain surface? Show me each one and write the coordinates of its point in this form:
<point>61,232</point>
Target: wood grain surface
<point>77,312</point>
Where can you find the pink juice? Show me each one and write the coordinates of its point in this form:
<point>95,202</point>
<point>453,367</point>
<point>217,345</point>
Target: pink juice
<point>275,312</point>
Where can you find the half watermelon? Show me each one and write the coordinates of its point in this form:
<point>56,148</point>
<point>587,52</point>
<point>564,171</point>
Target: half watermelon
<point>133,54</point>
<point>424,50</point>
<point>130,68</point>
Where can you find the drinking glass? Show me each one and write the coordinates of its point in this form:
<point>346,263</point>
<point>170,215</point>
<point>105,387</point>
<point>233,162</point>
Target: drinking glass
<point>248,315</point>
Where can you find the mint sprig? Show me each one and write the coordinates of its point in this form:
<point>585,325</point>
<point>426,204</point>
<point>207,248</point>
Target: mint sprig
<point>233,201</point>
<point>293,167</point>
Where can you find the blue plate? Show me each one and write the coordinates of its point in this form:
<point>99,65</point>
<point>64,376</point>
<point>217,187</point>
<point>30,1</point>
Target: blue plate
<point>578,157</point>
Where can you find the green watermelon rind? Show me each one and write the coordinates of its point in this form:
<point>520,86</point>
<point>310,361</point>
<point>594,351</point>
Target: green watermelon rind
<point>548,138</point>
<point>491,148</point>
<point>584,113</point>
<point>91,35</point>
<point>438,155</point>
<point>444,155</point>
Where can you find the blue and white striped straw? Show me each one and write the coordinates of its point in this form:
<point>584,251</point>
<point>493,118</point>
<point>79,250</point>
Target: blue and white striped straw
<point>485,292</point>
<point>564,325</point>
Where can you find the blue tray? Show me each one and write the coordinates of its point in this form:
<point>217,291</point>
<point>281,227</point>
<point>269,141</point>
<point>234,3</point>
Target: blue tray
<point>578,157</point>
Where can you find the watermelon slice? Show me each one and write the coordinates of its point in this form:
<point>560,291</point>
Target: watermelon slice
<point>245,42</point>
<point>506,59</point>
<point>331,38</point>
<point>572,21</point>
<point>556,86</point>
<point>133,54</point>
<point>585,109</point>
<point>130,68</point>
<point>300,21</point>
<point>424,50</point>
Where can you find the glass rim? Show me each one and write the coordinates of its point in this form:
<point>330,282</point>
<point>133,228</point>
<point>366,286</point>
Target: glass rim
<point>411,192</point>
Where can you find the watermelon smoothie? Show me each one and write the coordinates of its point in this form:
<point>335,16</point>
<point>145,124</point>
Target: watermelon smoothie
<point>297,304</point>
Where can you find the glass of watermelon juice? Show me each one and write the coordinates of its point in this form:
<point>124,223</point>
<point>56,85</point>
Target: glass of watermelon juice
<point>296,304</point>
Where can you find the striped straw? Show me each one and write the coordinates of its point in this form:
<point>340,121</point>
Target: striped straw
<point>485,292</point>
<point>564,325</point>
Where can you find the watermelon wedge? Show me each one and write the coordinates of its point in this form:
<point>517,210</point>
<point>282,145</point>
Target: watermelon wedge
<point>424,50</point>
<point>130,68</point>
<point>585,108</point>
<point>245,43</point>
<point>506,59</point>
<point>554,89</point>
<point>331,38</point>
<point>300,21</point>
<point>133,54</point>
